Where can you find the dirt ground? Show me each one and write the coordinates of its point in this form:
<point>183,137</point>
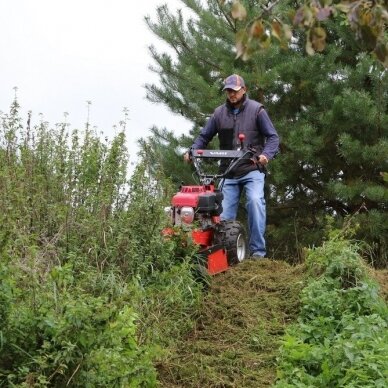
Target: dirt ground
<point>237,337</point>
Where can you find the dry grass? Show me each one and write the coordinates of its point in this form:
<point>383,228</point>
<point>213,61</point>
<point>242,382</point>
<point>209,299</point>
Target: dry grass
<point>236,339</point>
<point>382,277</point>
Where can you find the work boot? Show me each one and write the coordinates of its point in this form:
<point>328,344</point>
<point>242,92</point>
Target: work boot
<point>256,256</point>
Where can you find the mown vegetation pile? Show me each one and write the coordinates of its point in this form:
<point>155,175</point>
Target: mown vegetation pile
<point>236,339</point>
<point>329,317</point>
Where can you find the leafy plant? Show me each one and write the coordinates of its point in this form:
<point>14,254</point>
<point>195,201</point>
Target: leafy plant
<point>83,261</point>
<point>341,336</point>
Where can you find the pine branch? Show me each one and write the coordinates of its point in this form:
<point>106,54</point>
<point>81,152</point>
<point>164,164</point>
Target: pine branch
<point>227,18</point>
<point>191,51</point>
<point>267,10</point>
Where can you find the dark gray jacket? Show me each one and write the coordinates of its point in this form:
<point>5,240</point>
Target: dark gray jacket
<point>251,120</point>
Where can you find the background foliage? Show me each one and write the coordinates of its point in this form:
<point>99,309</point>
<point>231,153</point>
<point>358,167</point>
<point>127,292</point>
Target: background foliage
<point>365,20</point>
<point>330,109</point>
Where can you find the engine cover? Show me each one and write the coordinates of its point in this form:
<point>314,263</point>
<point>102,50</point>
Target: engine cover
<point>210,203</point>
<point>188,196</point>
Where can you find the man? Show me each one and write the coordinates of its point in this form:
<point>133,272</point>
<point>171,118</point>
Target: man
<point>240,115</point>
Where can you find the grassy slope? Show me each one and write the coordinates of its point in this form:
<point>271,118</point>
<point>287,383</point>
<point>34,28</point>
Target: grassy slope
<point>236,339</point>
<point>237,336</point>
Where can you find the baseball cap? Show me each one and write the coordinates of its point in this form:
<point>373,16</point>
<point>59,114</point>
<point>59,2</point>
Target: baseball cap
<point>234,82</point>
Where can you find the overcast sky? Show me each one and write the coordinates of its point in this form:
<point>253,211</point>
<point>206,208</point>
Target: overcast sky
<point>62,53</point>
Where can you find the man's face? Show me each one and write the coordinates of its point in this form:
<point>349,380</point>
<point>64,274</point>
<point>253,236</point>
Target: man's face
<point>235,96</point>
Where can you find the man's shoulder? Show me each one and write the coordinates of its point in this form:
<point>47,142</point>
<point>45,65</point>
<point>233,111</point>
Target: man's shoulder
<point>253,103</point>
<point>221,109</point>
<point>248,103</point>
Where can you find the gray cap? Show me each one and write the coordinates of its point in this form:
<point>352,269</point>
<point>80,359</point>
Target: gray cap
<point>234,82</point>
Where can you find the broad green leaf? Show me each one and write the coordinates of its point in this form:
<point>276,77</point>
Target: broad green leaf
<point>323,13</point>
<point>241,40</point>
<point>287,31</point>
<point>298,17</point>
<point>276,30</point>
<point>265,41</point>
<point>309,47</point>
<point>238,11</point>
<point>343,7</point>
<point>257,29</point>
<point>318,39</point>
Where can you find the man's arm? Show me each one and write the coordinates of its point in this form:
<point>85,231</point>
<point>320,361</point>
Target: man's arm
<point>206,135</point>
<point>268,130</point>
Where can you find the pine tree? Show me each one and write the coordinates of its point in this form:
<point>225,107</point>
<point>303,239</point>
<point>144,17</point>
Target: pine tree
<point>330,109</point>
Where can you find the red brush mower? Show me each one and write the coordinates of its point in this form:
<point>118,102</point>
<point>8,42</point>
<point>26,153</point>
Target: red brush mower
<point>197,210</point>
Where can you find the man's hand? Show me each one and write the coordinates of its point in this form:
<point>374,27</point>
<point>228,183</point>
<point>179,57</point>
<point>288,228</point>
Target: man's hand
<point>186,157</point>
<point>263,160</point>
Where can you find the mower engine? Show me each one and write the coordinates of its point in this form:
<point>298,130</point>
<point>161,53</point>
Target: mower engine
<point>197,209</point>
<point>199,204</point>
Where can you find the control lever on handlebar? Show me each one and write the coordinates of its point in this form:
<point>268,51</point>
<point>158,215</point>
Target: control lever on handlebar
<point>241,137</point>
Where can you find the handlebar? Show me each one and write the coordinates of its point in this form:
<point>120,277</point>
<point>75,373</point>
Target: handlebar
<point>233,155</point>
<point>217,154</point>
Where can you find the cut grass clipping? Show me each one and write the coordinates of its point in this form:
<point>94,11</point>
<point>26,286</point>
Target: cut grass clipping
<point>236,340</point>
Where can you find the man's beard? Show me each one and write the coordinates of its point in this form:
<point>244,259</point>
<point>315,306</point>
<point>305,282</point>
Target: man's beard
<point>238,102</point>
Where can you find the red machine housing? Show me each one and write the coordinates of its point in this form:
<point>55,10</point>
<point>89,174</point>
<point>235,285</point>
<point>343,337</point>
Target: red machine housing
<point>197,210</point>
<point>205,201</point>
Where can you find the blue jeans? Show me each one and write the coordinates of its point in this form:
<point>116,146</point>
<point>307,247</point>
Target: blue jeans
<point>253,183</point>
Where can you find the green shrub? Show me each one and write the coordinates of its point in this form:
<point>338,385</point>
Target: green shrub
<point>341,338</point>
<point>170,306</point>
<point>60,333</point>
<point>84,269</point>
<point>95,329</point>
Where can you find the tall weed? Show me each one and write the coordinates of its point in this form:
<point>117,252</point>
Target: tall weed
<point>89,289</point>
<point>60,334</point>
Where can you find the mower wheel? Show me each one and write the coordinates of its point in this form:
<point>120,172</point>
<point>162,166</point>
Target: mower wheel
<point>232,236</point>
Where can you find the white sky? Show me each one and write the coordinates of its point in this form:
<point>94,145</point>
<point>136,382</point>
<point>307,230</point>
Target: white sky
<point>62,53</point>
